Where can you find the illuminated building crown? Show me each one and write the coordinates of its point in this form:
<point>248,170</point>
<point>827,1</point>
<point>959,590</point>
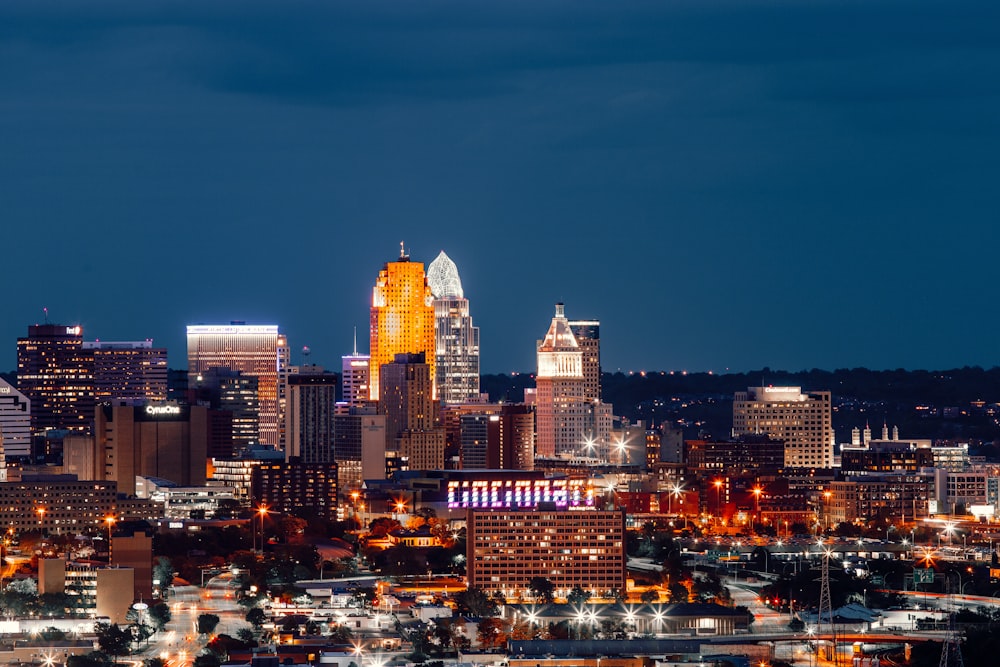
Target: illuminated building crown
<point>442,277</point>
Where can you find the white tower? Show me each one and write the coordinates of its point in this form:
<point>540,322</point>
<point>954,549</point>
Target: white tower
<point>456,341</point>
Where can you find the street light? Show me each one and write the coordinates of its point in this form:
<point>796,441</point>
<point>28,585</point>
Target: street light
<point>756,491</point>
<point>110,520</point>
<point>826,507</point>
<point>261,512</point>
<point>718,496</point>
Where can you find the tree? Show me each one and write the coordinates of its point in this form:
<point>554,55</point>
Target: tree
<point>207,659</point>
<point>154,662</point>
<point>649,596</point>
<point>578,596</point>
<point>543,589</point>
<point>113,639</point>
<point>475,602</point>
<point>163,572</point>
<point>207,623</point>
<point>256,618</point>
<point>492,633</point>
<point>248,636</point>
<point>160,615</point>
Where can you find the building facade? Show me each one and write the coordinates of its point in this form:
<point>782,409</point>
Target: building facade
<point>563,422</point>
<point>128,371</point>
<point>56,374</point>
<point>15,424</point>
<point>588,338</point>
<point>406,399</point>
<point>312,398</point>
<point>570,548</point>
<point>802,420</point>
<point>359,439</point>
<point>257,350</point>
<point>297,488</point>
<point>402,317</point>
<point>456,339</point>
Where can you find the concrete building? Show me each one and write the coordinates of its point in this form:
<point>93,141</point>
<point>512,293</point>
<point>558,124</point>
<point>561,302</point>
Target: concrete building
<point>257,350</point>
<point>746,454</point>
<point>456,339</point>
<point>237,394</point>
<point>502,439</point>
<point>406,399</point>
<point>312,398</point>
<point>115,592</point>
<point>359,438</point>
<point>297,488</point>
<point>56,503</point>
<point>133,549</point>
<point>56,374</point>
<point>128,371</point>
<point>588,338</point>
<point>801,420</point>
<point>355,377</point>
<point>562,417</point>
<point>894,498</point>
<point>570,548</point>
<point>156,440</point>
<point>15,425</point>
<point>402,318</point>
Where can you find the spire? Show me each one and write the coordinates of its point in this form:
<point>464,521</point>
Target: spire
<point>443,278</point>
<point>355,340</point>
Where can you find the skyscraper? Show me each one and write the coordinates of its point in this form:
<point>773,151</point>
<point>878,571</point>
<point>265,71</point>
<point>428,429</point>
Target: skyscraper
<point>407,402</point>
<point>562,414</point>
<point>15,423</point>
<point>129,371</point>
<point>588,337</point>
<point>57,376</point>
<point>257,350</point>
<point>801,420</point>
<point>456,340</point>
<point>355,376</point>
<point>402,317</point>
<point>312,395</point>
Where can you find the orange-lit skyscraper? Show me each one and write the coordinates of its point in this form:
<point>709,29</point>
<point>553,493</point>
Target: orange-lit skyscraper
<point>402,317</point>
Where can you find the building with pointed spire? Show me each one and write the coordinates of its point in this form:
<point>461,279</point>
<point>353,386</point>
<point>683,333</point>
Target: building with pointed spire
<point>561,410</point>
<point>402,317</point>
<point>456,340</point>
<point>355,376</point>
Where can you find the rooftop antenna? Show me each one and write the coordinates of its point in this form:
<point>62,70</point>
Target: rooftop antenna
<point>355,340</point>
<point>402,252</point>
<point>46,311</point>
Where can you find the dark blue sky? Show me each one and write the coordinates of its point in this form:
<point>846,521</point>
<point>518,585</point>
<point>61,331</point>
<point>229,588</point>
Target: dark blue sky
<point>722,184</point>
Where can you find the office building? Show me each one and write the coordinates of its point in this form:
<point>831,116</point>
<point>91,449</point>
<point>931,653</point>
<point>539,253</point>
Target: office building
<point>801,420</point>
<point>402,317</point>
<point>747,454</point>
<point>359,446</point>
<point>15,424</point>
<point>588,338</point>
<point>237,395</point>
<point>501,439</point>
<point>406,399</point>
<point>296,488</point>
<point>456,340</point>
<point>133,549</point>
<point>56,503</point>
<point>312,397</point>
<point>156,440</point>
<point>563,417</point>
<point>256,350</point>
<point>355,376</point>
<point>570,548</point>
<point>56,374</point>
<point>128,371</point>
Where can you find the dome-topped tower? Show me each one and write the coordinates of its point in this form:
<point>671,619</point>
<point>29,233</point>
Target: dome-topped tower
<point>442,276</point>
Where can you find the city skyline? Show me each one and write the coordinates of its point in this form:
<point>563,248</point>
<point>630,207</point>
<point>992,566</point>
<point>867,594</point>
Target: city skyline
<point>725,185</point>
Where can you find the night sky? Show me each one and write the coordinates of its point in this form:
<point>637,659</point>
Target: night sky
<point>723,184</point>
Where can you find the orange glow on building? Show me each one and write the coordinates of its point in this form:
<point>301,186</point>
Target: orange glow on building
<point>402,317</point>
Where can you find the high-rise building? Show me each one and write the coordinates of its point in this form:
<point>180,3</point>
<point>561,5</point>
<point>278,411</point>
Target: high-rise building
<point>588,338</point>
<point>257,350</point>
<point>156,440</point>
<point>128,371</point>
<point>235,393</point>
<point>563,423</point>
<point>15,423</point>
<point>501,437</point>
<point>359,447</point>
<point>355,376</point>
<point>406,399</point>
<point>402,317</point>
<point>801,420</point>
<point>297,488</point>
<point>456,340</point>
<point>57,376</point>
<point>312,395</point>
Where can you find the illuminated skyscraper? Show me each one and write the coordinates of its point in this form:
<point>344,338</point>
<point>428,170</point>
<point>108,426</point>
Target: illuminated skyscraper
<point>57,376</point>
<point>402,317</point>
<point>257,350</point>
<point>456,340</point>
<point>355,376</point>
<point>15,425</point>
<point>588,336</point>
<point>562,414</point>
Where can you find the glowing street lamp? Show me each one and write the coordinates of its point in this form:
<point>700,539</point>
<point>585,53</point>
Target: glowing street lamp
<point>110,520</point>
<point>756,491</point>
<point>261,512</point>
